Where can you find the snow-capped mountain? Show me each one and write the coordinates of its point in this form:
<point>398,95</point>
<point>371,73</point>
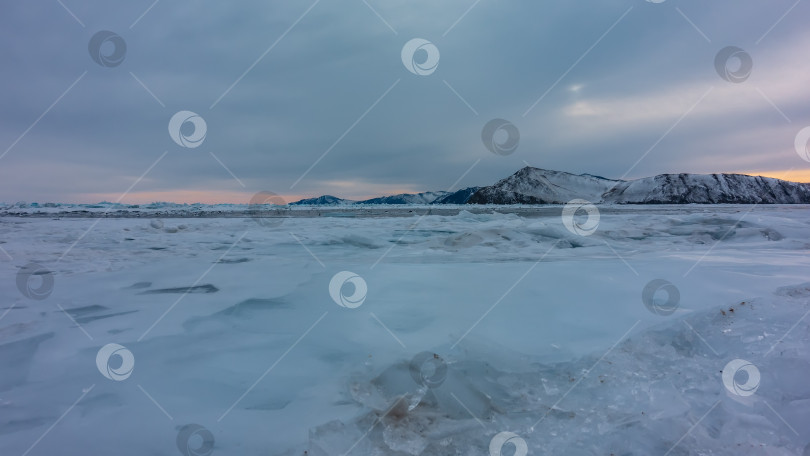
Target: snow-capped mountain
<point>708,189</point>
<point>325,200</point>
<point>406,198</point>
<point>457,197</point>
<point>542,186</point>
<point>539,186</point>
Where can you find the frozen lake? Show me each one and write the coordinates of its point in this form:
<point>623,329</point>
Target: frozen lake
<point>338,331</point>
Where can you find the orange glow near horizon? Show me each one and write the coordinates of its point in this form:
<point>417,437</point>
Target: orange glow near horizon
<point>793,175</point>
<point>179,196</point>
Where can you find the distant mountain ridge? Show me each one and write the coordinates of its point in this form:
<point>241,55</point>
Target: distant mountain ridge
<point>458,197</point>
<point>441,197</point>
<point>541,186</point>
<point>406,198</point>
<point>325,200</point>
<point>709,189</point>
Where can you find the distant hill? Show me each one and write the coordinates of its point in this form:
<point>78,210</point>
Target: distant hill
<point>457,197</point>
<point>709,189</point>
<point>540,186</point>
<point>325,200</point>
<point>406,198</point>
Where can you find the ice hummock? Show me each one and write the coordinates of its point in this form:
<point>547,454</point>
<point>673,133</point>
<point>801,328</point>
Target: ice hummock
<point>643,396</point>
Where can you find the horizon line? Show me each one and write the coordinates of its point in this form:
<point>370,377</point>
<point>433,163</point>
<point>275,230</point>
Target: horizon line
<point>214,198</point>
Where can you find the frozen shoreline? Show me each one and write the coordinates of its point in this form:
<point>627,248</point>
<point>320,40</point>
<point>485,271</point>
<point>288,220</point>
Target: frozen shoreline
<point>359,211</point>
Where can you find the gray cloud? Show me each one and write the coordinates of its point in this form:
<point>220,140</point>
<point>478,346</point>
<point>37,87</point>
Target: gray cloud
<point>309,89</point>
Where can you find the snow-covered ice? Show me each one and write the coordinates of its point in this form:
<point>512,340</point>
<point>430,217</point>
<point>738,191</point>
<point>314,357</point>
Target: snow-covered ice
<point>474,325</point>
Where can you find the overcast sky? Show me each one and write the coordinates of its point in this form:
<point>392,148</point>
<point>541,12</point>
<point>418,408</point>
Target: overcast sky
<point>609,87</point>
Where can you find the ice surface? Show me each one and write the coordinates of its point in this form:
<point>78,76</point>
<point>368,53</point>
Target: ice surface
<point>527,327</point>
